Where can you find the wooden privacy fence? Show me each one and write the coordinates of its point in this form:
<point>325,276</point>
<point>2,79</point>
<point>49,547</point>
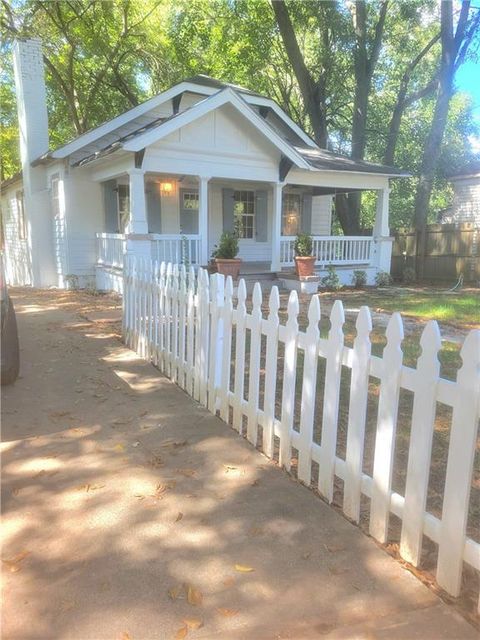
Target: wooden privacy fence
<point>450,250</point>
<point>223,356</point>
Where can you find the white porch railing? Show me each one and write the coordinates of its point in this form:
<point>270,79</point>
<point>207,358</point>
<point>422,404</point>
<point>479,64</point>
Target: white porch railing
<point>110,249</point>
<point>339,250</point>
<point>175,248</point>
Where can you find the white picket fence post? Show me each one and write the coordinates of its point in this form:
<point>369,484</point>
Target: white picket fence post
<point>271,326</point>
<point>289,378</point>
<point>386,429</point>
<point>190,332</point>
<point>331,401</point>
<point>421,436</point>
<point>240,316</point>
<point>184,324</point>
<point>357,414</point>
<point>254,365</point>
<point>309,392</point>
<point>458,480</point>
<point>226,350</point>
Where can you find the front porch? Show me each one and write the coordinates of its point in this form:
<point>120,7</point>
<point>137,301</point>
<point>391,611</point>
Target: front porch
<point>179,219</point>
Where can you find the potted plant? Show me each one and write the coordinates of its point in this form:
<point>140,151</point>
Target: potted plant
<point>304,261</point>
<point>225,255</point>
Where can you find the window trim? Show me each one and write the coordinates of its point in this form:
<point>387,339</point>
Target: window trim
<point>252,215</point>
<point>284,213</point>
<point>22,223</point>
<point>121,223</point>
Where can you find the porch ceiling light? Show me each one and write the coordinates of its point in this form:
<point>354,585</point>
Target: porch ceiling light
<point>166,187</point>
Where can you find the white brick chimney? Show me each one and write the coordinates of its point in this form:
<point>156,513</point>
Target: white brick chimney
<point>33,134</point>
<point>31,98</point>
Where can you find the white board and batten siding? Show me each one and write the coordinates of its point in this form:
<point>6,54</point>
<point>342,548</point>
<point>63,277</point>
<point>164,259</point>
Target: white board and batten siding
<point>173,319</point>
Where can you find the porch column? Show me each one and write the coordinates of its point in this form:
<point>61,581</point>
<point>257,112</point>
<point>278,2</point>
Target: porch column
<point>138,206</point>
<point>381,232</point>
<point>203,218</point>
<point>276,225</point>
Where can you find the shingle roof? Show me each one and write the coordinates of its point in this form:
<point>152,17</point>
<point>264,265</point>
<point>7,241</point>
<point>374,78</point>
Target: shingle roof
<point>470,169</point>
<point>329,161</point>
<point>207,81</point>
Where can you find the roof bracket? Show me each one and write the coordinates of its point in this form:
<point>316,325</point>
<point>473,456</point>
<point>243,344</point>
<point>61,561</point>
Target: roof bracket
<point>139,158</point>
<point>263,111</point>
<point>284,167</point>
<point>176,102</point>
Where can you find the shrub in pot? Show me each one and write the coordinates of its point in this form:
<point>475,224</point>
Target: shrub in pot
<point>304,261</point>
<point>225,254</point>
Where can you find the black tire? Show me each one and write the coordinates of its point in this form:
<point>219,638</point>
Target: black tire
<point>10,359</point>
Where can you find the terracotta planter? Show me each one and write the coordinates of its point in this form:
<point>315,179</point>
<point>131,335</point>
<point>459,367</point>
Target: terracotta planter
<point>229,267</point>
<point>304,266</point>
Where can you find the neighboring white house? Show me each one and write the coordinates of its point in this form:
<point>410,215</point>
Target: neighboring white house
<point>466,196</point>
<point>165,178</point>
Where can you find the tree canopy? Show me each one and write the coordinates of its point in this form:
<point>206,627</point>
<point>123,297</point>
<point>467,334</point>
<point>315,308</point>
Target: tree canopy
<point>368,79</point>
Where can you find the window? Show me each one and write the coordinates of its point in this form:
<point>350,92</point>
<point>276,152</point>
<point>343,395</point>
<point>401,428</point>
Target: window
<point>123,194</point>
<point>244,213</point>
<point>291,214</point>
<point>190,200</point>
<point>54,182</point>
<point>22,225</point>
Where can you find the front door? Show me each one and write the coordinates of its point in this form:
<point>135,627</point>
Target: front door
<point>189,212</point>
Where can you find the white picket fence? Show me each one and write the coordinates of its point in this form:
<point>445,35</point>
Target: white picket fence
<point>188,325</point>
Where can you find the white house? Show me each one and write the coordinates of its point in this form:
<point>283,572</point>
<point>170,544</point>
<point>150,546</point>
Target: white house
<point>466,196</point>
<point>165,178</point>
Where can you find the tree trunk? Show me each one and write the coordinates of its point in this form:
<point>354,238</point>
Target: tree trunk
<point>313,93</point>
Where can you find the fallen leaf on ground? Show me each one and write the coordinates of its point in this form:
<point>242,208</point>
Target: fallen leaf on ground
<point>14,563</point>
<point>243,568</point>
<point>181,633</point>
<point>334,548</point>
<point>126,636</point>
<point>188,473</point>
<point>228,613</point>
<point>174,593</point>
<point>179,516</point>
<point>229,582</point>
<point>67,604</point>
<point>194,596</point>
<point>119,447</point>
<point>193,623</point>
<point>337,571</point>
<point>94,487</point>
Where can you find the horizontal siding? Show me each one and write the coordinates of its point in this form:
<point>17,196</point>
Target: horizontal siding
<point>466,201</point>
<point>17,260</point>
<point>321,215</point>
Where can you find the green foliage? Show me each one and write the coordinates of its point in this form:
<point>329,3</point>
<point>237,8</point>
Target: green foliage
<point>383,279</point>
<point>359,278</point>
<point>106,56</point>
<point>409,275</point>
<point>331,281</point>
<point>303,245</point>
<point>227,248</point>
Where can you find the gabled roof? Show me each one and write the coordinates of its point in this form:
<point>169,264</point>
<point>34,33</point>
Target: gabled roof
<point>141,126</point>
<point>200,84</point>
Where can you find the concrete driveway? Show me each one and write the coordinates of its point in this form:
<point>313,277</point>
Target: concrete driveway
<point>131,513</point>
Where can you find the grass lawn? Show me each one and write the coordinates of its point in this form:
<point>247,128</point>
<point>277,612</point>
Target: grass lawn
<point>460,309</point>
